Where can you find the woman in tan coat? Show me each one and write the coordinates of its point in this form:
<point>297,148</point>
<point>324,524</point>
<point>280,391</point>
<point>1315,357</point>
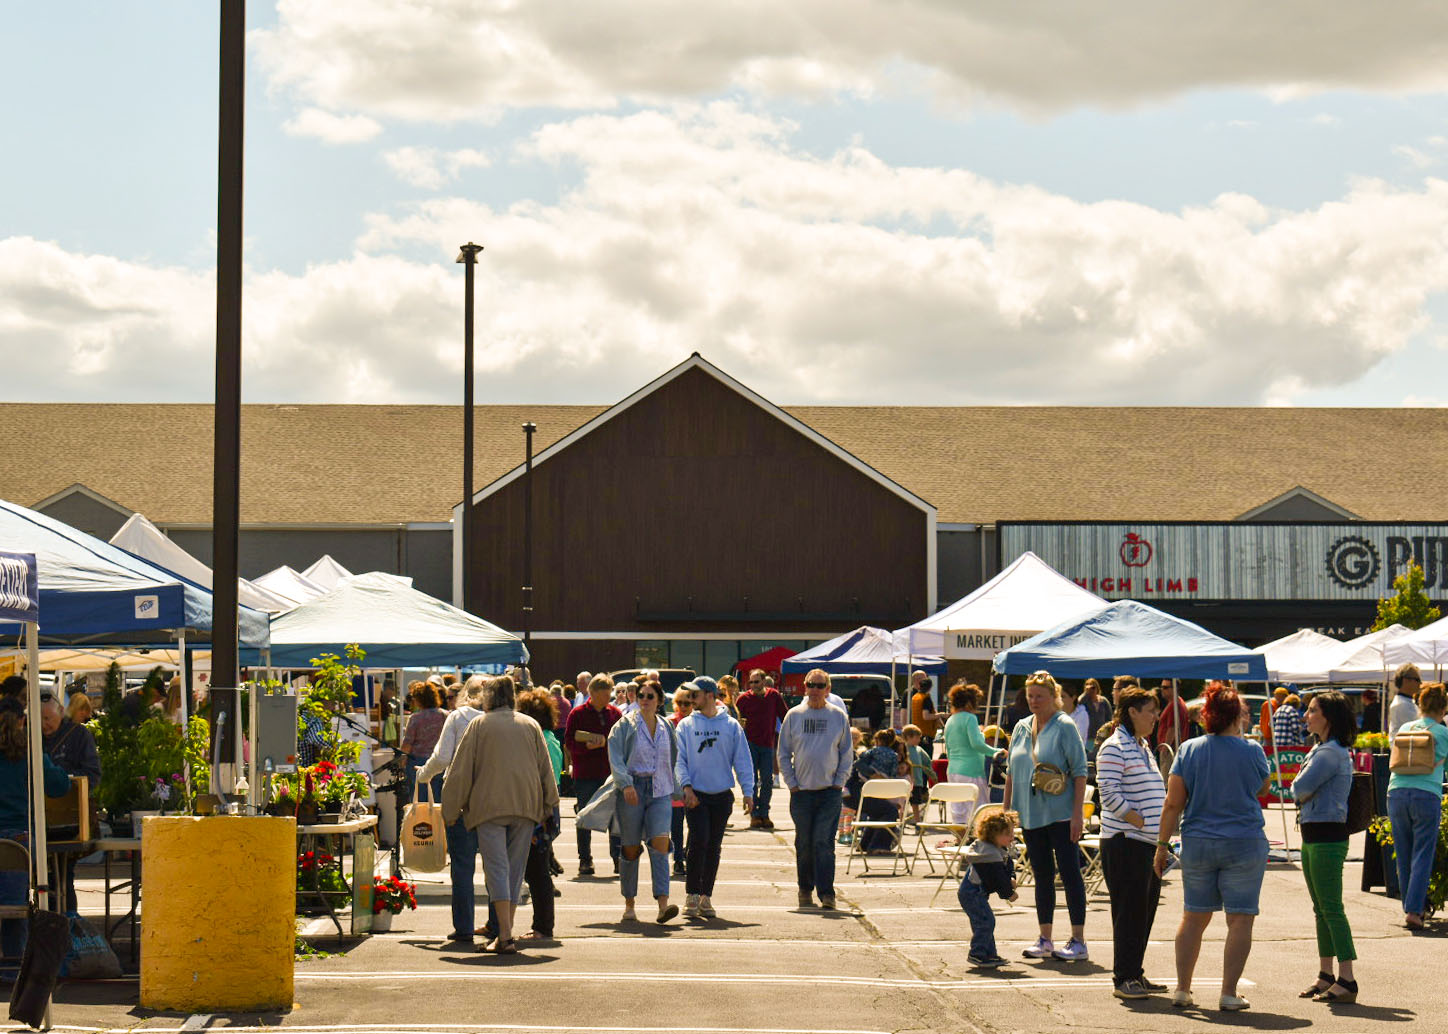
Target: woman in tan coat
<point>501,785</point>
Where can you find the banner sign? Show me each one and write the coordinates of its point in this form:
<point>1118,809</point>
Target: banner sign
<point>19,593</point>
<point>1353,561</point>
<point>980,645</point>
<point>1288,763</point>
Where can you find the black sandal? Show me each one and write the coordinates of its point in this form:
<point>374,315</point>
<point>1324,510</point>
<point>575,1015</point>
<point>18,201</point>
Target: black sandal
<point>1324,981</point>
<point>1346,996</point>
<point>508,947</point>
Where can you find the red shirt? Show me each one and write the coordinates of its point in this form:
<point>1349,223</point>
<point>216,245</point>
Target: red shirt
<point>758,713</point>
<point>589,762</point>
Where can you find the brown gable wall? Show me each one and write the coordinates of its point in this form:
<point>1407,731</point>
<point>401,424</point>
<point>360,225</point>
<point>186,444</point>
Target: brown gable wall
<point>696,472</point>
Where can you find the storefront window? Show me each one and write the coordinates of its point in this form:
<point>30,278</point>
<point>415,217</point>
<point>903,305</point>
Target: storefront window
<point>720,656</point>
<point>652,653</point>
<point>687,653</point>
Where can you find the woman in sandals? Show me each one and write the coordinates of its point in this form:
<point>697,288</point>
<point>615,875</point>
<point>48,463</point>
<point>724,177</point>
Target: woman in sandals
<point>1046,786</point>
<point>642,749</point>
<point>1321,788</point>
<point>1415,806</point>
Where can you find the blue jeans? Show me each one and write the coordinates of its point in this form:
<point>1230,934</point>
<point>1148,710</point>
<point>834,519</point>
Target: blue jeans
<point>1414,814</point>
<point>816,815</point>
<point>14,890</point>
<point>583,791</point>
<point>462,853</point>
<point>637,825</point>
<point>677,834</point>
<point>763,758</point>
<point>975,902</point>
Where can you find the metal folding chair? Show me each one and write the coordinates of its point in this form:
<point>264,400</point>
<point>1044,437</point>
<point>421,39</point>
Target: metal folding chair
<point>885,790</point>
<point>944,794</point>
<point>952,857</point>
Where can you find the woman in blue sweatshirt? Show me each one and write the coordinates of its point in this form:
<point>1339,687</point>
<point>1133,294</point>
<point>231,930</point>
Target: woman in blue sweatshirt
<point>15,813</point>
<point>712,751</point>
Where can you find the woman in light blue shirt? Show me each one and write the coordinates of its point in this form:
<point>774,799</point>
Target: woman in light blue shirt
<point>642,751</point>
<point>1050,823</point>
<point>1415,806</point>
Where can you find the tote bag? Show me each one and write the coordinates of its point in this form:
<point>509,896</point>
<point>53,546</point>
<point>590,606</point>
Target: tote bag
<point>424,844</point>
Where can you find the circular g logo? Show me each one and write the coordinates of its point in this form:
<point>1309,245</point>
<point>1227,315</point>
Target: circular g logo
<point>1352,562</point>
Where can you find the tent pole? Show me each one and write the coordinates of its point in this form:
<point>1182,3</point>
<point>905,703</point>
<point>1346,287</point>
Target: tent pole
<point>185,676</point>
<point>39,862</point>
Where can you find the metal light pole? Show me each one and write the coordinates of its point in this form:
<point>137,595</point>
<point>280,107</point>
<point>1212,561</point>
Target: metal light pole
<point>468,256</point>
<point>226,457</point>
<point>528,429</point>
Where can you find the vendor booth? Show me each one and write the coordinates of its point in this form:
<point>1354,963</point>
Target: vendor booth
<point>143,539</point>
<point>1304,657</point>
<point>292,586</point>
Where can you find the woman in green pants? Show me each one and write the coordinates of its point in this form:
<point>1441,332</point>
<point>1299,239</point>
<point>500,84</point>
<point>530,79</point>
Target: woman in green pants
<point>1321,789</point>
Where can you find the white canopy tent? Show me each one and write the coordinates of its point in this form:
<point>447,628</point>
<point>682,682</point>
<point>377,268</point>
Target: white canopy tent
<point>1305,656</point>
<point>1364,658</point>
<point>1425,647</point>
<point>143,539</point>
<point>327,573</point>
<point>292,586</point>
<point>1025,599</point>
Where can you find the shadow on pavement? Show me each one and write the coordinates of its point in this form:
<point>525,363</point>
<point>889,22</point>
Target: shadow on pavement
<point>1375,1013</point>
<point>495,961</point>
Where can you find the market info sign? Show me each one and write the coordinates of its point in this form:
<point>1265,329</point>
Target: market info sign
<point>980,645</point>
<point>1235,560</point>
<point>19,593</point>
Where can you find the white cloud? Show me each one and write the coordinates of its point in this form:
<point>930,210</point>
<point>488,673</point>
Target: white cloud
<point>458,59</point>
<point>1326,120</point>
<point>812,279</point>
<point>431,168</point>
<point>331,128</point>
<point>1416,158</point>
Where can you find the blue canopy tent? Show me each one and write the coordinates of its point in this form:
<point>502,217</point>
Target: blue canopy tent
<point>865,651</point>
<point>1136,639</point>
<point>397,626</point>
<point>94,593</point>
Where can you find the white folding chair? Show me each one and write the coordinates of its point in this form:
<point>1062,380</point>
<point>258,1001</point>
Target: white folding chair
<point>953,857</point>
<point>885,790</point>
<point>944,794</point>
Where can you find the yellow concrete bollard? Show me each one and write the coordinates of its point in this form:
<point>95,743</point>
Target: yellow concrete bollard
<point>218,927</point>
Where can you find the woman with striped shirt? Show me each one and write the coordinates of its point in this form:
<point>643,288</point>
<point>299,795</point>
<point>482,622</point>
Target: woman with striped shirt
<point>1132,793</point>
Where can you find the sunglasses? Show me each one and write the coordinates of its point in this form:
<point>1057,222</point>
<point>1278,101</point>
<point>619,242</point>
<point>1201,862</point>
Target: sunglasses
<point>647,696</point>
<point>818,685</point>
<point>755,682</point>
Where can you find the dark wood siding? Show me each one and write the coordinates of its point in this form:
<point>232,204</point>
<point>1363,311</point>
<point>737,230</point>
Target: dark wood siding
<point>674,512</point>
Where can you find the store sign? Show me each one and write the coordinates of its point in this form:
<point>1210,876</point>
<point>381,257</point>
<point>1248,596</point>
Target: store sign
<point>19,592</point>
<point>1236,561</point>
<point>980,645</point>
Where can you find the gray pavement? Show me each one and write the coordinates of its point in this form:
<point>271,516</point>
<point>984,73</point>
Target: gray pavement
<point>888,961</point>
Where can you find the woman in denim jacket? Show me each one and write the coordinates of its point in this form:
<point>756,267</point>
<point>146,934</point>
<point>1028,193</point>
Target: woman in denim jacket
<point>642,749</point>
<point>1321,789</point>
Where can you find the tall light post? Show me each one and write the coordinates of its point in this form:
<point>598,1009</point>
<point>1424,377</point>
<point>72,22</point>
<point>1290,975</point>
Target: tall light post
<point>528,429</point>
<point>468,256</point>
<point>226,446</point>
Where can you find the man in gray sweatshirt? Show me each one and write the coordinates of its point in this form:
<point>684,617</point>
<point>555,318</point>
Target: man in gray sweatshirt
<point>815,756</point>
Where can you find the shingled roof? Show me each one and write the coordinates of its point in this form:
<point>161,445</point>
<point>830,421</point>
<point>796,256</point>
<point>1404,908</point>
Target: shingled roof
<point>325,464</point>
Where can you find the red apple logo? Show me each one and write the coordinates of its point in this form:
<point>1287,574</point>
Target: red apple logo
<point>1135,551</point>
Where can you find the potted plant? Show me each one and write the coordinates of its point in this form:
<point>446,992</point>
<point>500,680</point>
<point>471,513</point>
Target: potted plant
<point>319,875</point>
<point>389,897</point>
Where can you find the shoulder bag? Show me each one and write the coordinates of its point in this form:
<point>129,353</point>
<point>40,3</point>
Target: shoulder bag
<point>1361,802</point>
<point>1414,752</point>
<point>1047,778</point>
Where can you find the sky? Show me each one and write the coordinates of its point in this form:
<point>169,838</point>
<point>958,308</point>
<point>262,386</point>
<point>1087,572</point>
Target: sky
<point>835,201</point>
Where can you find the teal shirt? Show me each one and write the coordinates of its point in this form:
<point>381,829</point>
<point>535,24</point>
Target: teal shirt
<point>965,747</point>
<point>555,752</point>
<point>1060,746</point>
<point>919,765</point>
<point>1430,781</point>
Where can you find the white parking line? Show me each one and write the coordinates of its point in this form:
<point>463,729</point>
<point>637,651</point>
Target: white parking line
<point>512,973</point>
<point>454,1028</point>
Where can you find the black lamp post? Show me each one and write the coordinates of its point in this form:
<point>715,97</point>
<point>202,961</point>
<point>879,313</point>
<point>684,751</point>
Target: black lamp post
<point>468,256</point>
<point>226,445</point>
<point>528,429</point>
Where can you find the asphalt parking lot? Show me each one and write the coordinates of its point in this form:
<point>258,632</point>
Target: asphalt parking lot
<point>888,960</point>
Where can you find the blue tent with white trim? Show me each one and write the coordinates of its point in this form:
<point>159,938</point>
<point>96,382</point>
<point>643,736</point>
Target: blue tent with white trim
<point>96,593</point>
<point>865,651</point>
<point>1134,639</point>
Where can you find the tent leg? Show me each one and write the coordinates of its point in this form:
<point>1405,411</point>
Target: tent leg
<point>39,865</point>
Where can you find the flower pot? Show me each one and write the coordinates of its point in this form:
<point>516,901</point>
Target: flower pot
<point>329,818</point>
<point>381,921</point>
<point>306,814</point>
<point>136,817</point>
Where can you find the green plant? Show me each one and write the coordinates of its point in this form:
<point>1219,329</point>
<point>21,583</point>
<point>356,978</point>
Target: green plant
<point>1374,741</point>
<point>392,894</point>
<point>1382,831</point>
<point>196,751</point>
<point>124,761</point>
<point>1409,605</point>
<point>330,693</point>
<point>321,872</point>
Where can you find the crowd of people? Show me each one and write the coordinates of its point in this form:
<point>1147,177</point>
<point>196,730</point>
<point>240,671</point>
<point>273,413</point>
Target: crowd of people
<point>658,773</point>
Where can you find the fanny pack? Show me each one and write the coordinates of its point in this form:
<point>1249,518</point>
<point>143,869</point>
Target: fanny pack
<point>1047,778</point>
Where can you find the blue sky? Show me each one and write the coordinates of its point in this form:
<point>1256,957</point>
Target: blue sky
<point>944,233</point>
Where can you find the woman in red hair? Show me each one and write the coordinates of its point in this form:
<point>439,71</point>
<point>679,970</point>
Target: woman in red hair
<point>1213,790</point>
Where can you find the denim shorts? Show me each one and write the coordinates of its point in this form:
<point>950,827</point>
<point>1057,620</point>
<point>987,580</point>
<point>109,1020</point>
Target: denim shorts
<point>1223,874</point>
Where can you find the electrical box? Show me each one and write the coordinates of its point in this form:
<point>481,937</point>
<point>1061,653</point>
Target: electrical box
<point>276,733</point>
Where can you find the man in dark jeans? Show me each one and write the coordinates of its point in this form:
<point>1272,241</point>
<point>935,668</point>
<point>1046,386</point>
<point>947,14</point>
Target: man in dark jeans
<point>761,709</point>
<point>815,757</point>
<point>586,736</point>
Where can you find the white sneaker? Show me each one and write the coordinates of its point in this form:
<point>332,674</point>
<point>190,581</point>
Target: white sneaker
<point>1042,949</point>
<point>1075,951</point>
<point>629,916</point>
<point>706,907</point>
<point>1182,999</point>
<point>691,906</point>
<point>1231,1003</point>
